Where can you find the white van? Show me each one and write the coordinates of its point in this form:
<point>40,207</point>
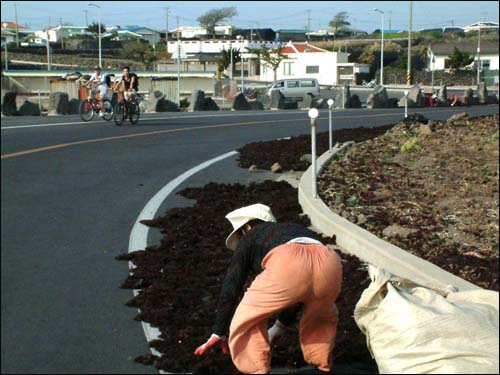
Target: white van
<point>295,88</point>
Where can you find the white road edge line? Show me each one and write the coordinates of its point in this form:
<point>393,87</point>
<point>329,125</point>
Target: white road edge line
<point>142,120</point>
<point>139,235</point>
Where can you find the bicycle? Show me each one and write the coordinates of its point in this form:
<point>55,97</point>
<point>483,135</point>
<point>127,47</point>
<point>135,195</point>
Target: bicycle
<point>127,108</point>
<point>90,106</point>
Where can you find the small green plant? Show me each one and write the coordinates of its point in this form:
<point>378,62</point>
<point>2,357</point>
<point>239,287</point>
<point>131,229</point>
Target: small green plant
<point>411,145</point>
<point>352,201</point>
<point>184,103</point>
<point>493,138</point>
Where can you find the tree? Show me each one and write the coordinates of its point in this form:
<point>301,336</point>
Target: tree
<point>225,59</point>
<point>94,27</point>
<point>214,17</point>
<point>338,22</point>
<point>140,52</point>
<point>458,59</point>
<point>271,58</point>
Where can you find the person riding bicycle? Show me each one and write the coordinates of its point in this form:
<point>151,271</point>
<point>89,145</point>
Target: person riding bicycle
<point>98,83</point>
<point>130,82</point>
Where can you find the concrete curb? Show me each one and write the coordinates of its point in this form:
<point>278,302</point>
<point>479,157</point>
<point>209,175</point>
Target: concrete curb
<point>368,247</point>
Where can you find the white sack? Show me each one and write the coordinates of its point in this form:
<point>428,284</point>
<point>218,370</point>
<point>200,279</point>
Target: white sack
<point>415,330</point>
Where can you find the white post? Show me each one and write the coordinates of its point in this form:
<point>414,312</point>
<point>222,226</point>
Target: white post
<point>100,50</point>
<point>381,48</point>
<point>343,97</point>
<point>406,103</point>
<point>6,58</point>
<point>330,106</point>
<point>313,115</point>
<point>179,73</point>
<point>99,32</point>
<point>39,102</point>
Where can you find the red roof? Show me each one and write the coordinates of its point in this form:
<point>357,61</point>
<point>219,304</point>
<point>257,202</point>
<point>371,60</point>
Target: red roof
<point>302,48</point>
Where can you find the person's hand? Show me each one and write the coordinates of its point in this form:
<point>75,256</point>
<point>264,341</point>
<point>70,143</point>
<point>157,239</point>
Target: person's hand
<point>212,341</point>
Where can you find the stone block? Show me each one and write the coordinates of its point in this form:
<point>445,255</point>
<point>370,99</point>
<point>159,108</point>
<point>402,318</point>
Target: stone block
<point>197,102</point>
<point>9,107</point>
<point>29,109</point>
<point>210,105</point>
<point>240,103</point>
<point>378,98</point>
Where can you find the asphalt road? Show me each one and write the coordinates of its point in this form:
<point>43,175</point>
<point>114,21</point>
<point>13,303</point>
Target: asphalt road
<point>71,192</point>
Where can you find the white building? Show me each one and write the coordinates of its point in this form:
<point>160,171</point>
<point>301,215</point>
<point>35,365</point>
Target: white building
<point>307,61</point>
<point>188,32</point>
<point>439,54</point>
<point>59,32</point>
<point>484,26</point>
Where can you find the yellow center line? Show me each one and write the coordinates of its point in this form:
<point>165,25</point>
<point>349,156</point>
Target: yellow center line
<point>62,145</point>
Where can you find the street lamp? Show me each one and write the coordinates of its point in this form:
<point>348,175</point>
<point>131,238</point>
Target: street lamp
<point>381,48</point>
<point>100,53</point>
<point>240,38</point>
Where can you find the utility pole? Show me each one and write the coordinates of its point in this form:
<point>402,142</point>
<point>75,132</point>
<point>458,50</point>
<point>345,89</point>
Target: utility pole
<point>62,32</point>
<point>408,72</point>
<point>308,22</point>
<point>166,26</point>
<point>478,52</point>
<point>48,47</point>
<point>17,26</point>
<point>86,18</point>
<point>178,66</point>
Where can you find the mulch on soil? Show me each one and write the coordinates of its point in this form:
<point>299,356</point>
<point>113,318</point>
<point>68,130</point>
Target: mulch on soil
<point>180,280</point>
<point>431,189</point>
<point>287,152</point>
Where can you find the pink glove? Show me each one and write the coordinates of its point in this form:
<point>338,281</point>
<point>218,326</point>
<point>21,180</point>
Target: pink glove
<point>212,341</point>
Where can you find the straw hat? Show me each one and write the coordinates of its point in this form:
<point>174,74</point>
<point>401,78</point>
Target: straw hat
<point>243,215</point>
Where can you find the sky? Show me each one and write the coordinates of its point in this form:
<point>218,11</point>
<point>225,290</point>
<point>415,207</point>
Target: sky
<point>253,14</point>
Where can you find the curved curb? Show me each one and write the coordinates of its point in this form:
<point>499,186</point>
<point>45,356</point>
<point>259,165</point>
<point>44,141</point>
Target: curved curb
<point>368,247</point>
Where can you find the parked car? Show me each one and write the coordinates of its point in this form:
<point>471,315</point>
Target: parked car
<point>295,88</point>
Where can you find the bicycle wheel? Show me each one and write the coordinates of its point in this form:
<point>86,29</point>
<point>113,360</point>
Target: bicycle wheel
<point>134,112</point>
<point>107,110</point>
<point>119,113</point>
<point>86,110</point>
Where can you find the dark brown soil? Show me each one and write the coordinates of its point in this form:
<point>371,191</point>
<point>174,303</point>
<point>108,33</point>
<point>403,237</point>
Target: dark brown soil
<point>287,152</point>
<point>429,189</point>
<point>181,278</point>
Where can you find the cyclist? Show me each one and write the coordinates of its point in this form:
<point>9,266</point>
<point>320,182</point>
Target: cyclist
<point>130,82</point>
<point>98,83</point>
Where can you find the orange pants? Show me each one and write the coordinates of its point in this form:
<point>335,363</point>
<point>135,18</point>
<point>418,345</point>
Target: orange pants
<point>293,273</point>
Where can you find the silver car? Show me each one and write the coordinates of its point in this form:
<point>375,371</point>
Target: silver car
<point>295,88</point>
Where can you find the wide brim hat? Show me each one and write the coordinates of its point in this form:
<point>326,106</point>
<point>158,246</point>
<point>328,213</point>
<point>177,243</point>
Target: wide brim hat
<point>238,218</point>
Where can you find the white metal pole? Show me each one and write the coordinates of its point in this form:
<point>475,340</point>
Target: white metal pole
<point>478,52</point>
<point>406,103</point>
<point>382,54</point>
<point>179,73</point>
<point>313,114</point>
<point>100,52</point>
<point>39,102</point>
<point>330,138</point>
<point>6,57</point>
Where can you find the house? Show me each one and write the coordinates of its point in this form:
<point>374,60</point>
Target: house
<point>56,34</point>
<point>483,26</point>
<point>133,32</point>
<point>190,32</point>
<point>439,54</point>
<point>121,35</point>
<point>307,61</point>
<point>10,31</point>
<point>294,35</point>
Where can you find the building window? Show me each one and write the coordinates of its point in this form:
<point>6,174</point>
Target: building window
<point>287,68</point>
<point>312,69</point>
